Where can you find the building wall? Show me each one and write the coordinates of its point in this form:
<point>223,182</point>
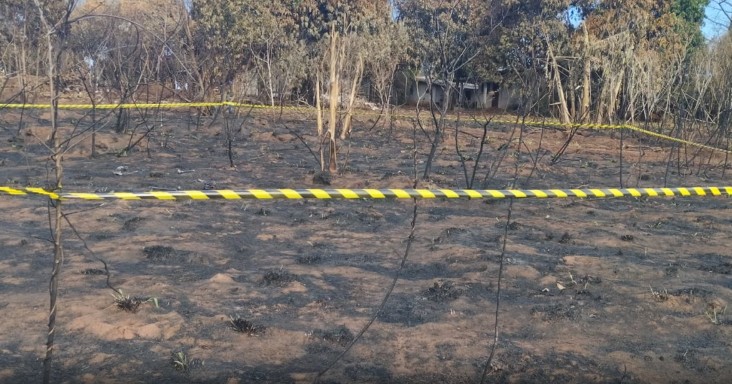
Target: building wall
<point>508,98</point>
<point>419,92</point>
<point>466,95</point>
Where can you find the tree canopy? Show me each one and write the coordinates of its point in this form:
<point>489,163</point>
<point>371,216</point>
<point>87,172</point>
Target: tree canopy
<point>600,60</point>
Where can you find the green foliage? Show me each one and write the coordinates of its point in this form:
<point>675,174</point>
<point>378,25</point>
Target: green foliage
<point>691,11</point>
<point>448,36</point>
<point>182,362</point>
<point>692,14</point>
<point>315,17</point>
<point>522,35</point>
<point>226,28</point>
<point>234,37</point>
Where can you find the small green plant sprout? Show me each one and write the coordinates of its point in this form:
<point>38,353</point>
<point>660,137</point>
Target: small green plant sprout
<point>181,362</point>
<point>129,303</point>
<point>245,326</point>
<point>714,312</point>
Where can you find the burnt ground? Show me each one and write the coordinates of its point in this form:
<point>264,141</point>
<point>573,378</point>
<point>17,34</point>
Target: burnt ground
<point>594,290</point>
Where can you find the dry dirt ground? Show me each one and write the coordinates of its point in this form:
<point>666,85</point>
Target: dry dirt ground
<point>594,290</point>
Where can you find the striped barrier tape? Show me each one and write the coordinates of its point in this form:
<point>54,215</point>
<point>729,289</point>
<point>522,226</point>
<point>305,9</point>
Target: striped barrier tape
<point>127,105</point>
<point>259,106</point>
<point>296,194</point>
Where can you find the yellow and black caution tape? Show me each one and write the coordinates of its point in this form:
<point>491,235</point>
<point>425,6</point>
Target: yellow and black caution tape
<point>259,106</point>
<point>630,128</point>
<point>28,191</point>
<point>129,105</point>
<point>296,194</point>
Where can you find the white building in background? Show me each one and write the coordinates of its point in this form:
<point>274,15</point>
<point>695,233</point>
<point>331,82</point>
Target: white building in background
<point>466,95</point>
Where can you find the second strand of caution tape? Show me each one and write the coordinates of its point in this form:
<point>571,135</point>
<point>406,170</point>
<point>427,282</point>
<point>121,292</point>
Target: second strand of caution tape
<point>257,106</point>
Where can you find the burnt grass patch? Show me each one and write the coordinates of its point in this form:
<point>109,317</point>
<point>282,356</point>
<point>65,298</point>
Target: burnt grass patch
<point>367,373</point>
<point>402,309</point>
<point>246,327</point>
<point>453,235</point>
<point>309,259</point>
<point>339,335</point>
<point>132,224</point>
<point>512,226</point>
<point>93,272</point>
<point>98,236</point>
<point>723,268</point>
<point>558,367</point>
<point>714,263</point>
<point>627,238</point>
<point>565,239</point>
<point>558,311</point>
<point>128,303</point>
<point>441,292</point>
<point>691,292</point>
<point>430,270</point>
<point>693,359</point>
<point>277,278</point>
<point>159,253</point>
